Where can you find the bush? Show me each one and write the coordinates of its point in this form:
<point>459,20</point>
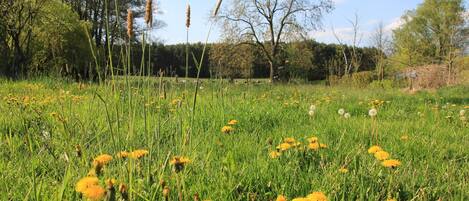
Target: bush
<point>362,79</point>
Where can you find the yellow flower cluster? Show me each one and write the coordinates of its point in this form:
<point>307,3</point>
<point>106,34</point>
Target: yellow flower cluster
<point>90,189</point>
<point>383,156</point>
<point>137,154</point>
<point>376,103</point>
<point>290,143</point>
<point>229,128</point>
<point>314,196</point>
<point>315,145</point>
<point>179,162</point>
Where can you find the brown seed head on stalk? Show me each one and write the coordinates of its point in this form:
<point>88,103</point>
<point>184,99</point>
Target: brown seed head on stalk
<point>149,13</point>
<point>130,23</point>
<point>217,8</point>
<point>188,16</point>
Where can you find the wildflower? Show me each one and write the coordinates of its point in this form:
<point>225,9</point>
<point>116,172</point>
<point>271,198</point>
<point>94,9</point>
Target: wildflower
<point>343,170</point>
<point>110,182</point>
<point>373,112</point>
<point>347,115</point>
<point>85,183</point>
<point>314,146</point>
<point>137,154</point>
<point>311,113</point>
<point>232,122</point>
<point>313,139</point>
<point>123,191</point>
<point>166,192</point>
<point>341,112</point>
<point>317,196</point>
<point>179,162</point>
<point>312,108</point>
<point>281,198</point>
<point>176,102</point>
<point>123,154</point>
<point>284,146</point>
<point>462,112</point>
<point>391,163</point>
<point>274,154</point>
<point>102,160</point>
<point>227,129</point>
<point>374,149</point>
<point>289,140</point>
<point>381,155</point>
<point>301,199</point>
<point>94,193</point>
<point>321,145</point>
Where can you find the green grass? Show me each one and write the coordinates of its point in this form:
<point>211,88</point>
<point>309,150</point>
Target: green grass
<point>43,120</point>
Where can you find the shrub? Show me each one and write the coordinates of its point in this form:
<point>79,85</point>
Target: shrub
<point>362,79</point>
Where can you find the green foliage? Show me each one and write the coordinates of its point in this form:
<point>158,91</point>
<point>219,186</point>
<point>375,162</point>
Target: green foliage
<point>61,46</point>
<point>431,34</point>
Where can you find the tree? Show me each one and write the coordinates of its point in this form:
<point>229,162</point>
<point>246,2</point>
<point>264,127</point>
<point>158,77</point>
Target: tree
<point>231,60</point>
<point>265,24</point>
<point>355,57</point>
<point>381,42</point>
<point>431,34</point>
<point>18,18</point>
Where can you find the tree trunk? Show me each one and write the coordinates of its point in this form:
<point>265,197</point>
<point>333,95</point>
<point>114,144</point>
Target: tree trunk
<point>273,72</point>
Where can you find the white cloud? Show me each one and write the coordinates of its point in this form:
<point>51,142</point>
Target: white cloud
<point>395,23</point>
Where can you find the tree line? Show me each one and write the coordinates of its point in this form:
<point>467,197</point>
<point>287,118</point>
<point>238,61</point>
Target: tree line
<point>86,39</point>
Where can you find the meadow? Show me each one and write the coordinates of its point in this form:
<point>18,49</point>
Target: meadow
<point>142,140</point>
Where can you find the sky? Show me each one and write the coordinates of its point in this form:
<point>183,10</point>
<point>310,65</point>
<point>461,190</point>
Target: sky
<point>370,14</point>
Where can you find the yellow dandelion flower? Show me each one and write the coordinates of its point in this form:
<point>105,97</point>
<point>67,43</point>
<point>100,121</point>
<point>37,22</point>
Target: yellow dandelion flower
<point>94,193</point>
<point>284,146</point>
<point>123,154</point>
<point>232,122</point>
<point>289,140</point>
<point>301,199</point>
<point>321,145</point>
<point>179,160</point>
<point>102,159</point>
<point>313,139</point>
<point>281,198</point>
<point>227,129</point>
<point>85,183</point>
<point>343,170</point>
<point>274,154</point>
<point>314,146</point>
<point>381,155</point>
<point>137,154</point>
<point>404,137</point>
<point>374,149</point>
<point>317,196</point>
<point>391,163</point>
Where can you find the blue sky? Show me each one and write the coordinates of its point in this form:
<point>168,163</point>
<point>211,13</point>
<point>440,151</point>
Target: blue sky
<point>370,13</point>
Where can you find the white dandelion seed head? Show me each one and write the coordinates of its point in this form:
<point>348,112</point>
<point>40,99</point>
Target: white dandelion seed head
<point>312,107</point>
<point>462,112</point>
<point>341,111</point>
<point>373,112</point>
<point>311,113</point>
<point>347,115</point>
